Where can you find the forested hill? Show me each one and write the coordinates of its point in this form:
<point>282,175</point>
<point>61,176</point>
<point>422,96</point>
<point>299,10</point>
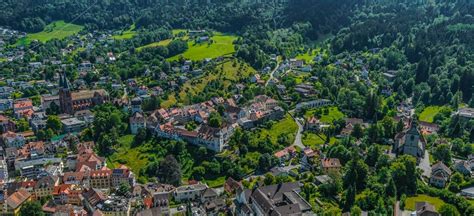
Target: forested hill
<point>230,15</point>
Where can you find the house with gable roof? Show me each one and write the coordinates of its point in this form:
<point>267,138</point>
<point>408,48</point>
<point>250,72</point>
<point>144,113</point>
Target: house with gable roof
<point>440,174</point>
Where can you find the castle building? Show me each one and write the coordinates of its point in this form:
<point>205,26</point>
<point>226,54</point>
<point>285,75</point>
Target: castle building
<point>70,101</point>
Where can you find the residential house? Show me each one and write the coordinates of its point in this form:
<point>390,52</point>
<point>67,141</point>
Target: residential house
<point>12,139</point>
<point>295,63</point>
<point>278,199</point>
<point>440,174</point>
<point>313,104</point>
<point>285,154</point>
<point>350,124</point>
<point>122,175</point>
<point>137,122</point>
<point>23,108</point>
<point>67,194</point>
<point>255,78</point>
<point>463,167</point>
<point>208,195</point>
<point>71,125</point>
<point>189,192</point>
<point>428,128</point>
<point>425,209</point>
<point>32,168</point>
<point>468,192</point>
<point>308,160</point>
<point>312,124</point>
<point>15,201</point>
<point>6,104</point>
<point>6,124</point>
<point>136,105</point>
<point>329,165</point>
<point>87,159</point>
<point>45,186</point>
<point>6,92</point>
<point>101,179</point>
<point>466,113</point>
<point>231,185</point>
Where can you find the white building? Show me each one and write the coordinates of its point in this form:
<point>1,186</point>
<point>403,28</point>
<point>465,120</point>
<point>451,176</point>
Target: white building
<point>313,104</point>
<point>137,121</point>
<point>189,192</point>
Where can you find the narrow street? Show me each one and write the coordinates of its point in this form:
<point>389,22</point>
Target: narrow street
<point>298,137</point>
<point>272,73</point>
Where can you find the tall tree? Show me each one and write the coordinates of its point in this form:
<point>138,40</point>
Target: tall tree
<point>31,208</point>
<point>169,171</point>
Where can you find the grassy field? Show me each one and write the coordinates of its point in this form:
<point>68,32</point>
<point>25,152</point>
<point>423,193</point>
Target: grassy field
<point>410,201</point>
<point>215,182</point>
<point>429,112</point>
<point>154,44</point>
<point>128,34</point>
<point>309,56</point>
<point>332,115</point>
<point>314,141</point>
<point>222,45</point>
<point>135,158</point>
<point>175,33</point>
<point>55,30</point>
<point>286,126</point>
<point>226,73</point>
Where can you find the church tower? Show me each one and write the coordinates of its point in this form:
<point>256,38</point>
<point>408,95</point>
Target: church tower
<point>65,98</point>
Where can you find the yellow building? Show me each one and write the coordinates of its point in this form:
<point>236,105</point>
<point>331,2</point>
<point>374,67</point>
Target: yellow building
<point>15,201</point>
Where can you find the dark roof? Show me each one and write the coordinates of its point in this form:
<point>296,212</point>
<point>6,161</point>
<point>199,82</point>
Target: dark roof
<point>45,182</point>
<point>441,166</point>
<point>424,207</point>
<point>209,192</point>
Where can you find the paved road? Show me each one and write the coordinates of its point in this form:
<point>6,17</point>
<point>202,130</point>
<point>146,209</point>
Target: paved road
<point>298,142</point>
<point>300,122</point>
<point>272,73</point>
<point>425,165</point>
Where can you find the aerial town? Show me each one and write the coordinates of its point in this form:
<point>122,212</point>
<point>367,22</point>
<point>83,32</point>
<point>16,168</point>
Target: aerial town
<point>212,112</point>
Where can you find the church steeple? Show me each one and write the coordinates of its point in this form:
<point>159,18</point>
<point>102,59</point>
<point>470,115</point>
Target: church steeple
<point>63,81</point>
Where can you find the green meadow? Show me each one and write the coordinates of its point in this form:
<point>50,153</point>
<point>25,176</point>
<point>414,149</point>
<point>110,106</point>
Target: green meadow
<point>55,30</point>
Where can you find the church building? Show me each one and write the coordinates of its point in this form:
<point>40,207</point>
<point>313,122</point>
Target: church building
<point>410,142</point>
<point>71,102</point>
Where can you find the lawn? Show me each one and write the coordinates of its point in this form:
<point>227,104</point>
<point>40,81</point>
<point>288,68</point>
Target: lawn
<point>175,33</point>
<point>222,45</point>
<point>55,30</point>
<point>285,126</point>
<point>429,112</point>
<point>410,201</point>
<point>135,158</point>
<point>333,114</point>
<point>213,183</point>
<point>155,44</point>
<point>309,56</point>
<point>227,73</point>
<point>128,34</point>
<point>314,141</point>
